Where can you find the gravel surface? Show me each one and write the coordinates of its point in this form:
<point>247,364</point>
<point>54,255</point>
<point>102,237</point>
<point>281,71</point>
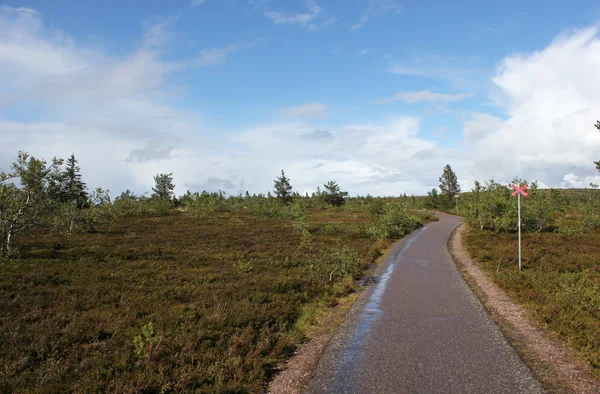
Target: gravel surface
<point>420,329</point>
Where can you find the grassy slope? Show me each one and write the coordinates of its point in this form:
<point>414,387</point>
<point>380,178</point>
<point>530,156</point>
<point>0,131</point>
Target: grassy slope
<point>223,295</point>
<point>560,283</point>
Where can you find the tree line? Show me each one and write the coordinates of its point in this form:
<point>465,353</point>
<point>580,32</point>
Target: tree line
<point>34,192</point>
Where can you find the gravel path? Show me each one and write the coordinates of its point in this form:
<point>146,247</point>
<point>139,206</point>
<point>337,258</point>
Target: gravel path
<point>420,329</point>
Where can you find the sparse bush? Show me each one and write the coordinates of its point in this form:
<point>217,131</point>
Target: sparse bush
<point>425,216</point>
<point>394,223</point>
<point>143,343</point>
<point>491,207</point>
<point>589,218</point>
<point>335,265</point>
<point>269,208</point>
<point>377,207</point>
<point>243,264</point>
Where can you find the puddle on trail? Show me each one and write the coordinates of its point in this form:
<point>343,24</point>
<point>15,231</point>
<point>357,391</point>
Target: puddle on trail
<point>352,353</point>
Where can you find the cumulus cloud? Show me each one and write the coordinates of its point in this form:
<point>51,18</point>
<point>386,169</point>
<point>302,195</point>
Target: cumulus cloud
<point>119,115</point>
<point>364,158</point>
<point>231,187</point>
<point>42,65</point>
<point>115,114</point>
<point>440,132</point>
<point>478,125</point>
<point>305,111</point>
<point>426,96</point>
<point>318,135</point>
<point>100,107</point>
<point>151,151</point>
<point>552,101</point>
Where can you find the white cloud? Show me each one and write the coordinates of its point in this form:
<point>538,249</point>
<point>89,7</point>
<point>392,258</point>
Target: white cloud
<point>572,180</point>
<point>114,113</point>
<point>305,111</point>
<point>380,158</point>
<point>158,34</point>
<point>216,56</point>
<point>553,101</point>
<point>196,3</point>
<point>478,125</point>
<point>303,19</point>
<point>41,65</point>
<point>445,68</point>
<point>362,52</point>
<point>440,132</point>
<point>118,114</point>
<point>426,96</point>
<point>102,108</point>
<point>375,9</point>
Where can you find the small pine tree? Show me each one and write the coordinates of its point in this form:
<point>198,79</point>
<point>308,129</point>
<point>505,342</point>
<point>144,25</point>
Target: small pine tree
<point>333,194</point>
<point>66,186</point>
<point>448,182</point>
<point>164,186</point>
<point>74,189</point>
<point>283,189</point>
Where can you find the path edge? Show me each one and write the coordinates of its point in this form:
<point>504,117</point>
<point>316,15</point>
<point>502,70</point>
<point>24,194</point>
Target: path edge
<point>555,365</point>
<point>296,372</point>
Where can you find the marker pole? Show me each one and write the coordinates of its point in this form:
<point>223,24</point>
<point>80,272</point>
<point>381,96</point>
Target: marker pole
<point>519,210</point>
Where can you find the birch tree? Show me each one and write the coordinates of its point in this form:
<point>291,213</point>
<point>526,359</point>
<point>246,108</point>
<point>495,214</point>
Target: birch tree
<point>23,198</point>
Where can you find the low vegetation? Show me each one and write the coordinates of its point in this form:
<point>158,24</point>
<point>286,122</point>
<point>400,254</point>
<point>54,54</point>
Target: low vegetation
<point>559,284</point>
<point>207,292</point>
<point>154,294</point>
<point>560,280</point>
<point>173,303</point>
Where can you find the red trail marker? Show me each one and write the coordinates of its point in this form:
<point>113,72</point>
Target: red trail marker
<point>519,190</point>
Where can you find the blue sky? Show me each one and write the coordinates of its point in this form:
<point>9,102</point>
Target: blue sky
<point>376,94</point>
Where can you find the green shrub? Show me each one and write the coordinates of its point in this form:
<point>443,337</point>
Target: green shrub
<point>129,205</point>
<point>142,343</point>
<point>377,207</point>
<point>425,216</point>
<point>394,223</point>
<point>336,265</point>
<point>67,218</point>
<point>491,207</point>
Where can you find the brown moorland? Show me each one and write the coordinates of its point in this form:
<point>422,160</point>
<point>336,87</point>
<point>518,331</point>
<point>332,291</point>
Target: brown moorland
<point>559,284</point>
<point>174,303</point>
